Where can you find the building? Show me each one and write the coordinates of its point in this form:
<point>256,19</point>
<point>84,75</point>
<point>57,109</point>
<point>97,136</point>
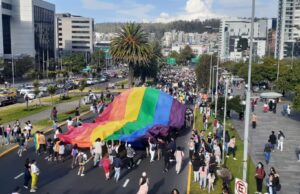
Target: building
<point>288,29</point>
<point>73,34</point>
<point>26,28</point>
<point>234,38</point>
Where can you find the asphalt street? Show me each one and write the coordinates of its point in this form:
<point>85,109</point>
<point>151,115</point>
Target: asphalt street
<point>59,178</point>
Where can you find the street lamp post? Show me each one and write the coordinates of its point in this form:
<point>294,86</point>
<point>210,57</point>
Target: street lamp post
<point>217,85</point>
<point>247,116</point>
<point>12,68</point>
<point>210,70</point>
<point>224,119</point>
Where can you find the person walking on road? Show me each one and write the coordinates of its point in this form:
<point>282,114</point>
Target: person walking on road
<point>105,163</point>
<point>203,176</point>
<point>167,157</point>
<point>74,154</point>
<point>144,184</point>
<point>280,139</point>
<point>273,140</point>
<point>267,152</point>
<point>35,171</point>
<point>97,149</point>
<point>191,148</point>
<point>82,160</point>
<point>117,163</point>
<point>152,149</point>
<point>27,173</point>
<point>54,114</point>
<point>1,135</point>
<point>178,157</point>
<point>21,141</point>
<point>254,121</point>
<point>259,176</point>
<point>129,154</point>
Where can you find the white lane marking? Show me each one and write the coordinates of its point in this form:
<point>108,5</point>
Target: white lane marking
<point>18,176</point>
<point>126,183</point>
<point>139,161</point>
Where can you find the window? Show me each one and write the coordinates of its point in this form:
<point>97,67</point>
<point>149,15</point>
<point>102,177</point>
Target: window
<point>81,37</point>
<point>80,47</point>
<point>6,6</point>
<point>80,26</point>
<point>80,32</point>
<point>80,42</point>
<point>80,22</point>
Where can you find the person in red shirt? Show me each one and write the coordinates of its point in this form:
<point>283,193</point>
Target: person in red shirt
<point>106,165</point>
<point>259,176</point>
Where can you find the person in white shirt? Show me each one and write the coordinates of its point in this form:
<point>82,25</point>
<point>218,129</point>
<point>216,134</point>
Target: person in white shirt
<point>35,171</point>
<point>69,122</point>
<point>97,149</point>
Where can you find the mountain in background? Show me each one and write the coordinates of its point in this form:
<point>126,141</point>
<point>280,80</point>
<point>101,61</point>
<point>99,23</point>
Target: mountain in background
<point>211,25</point>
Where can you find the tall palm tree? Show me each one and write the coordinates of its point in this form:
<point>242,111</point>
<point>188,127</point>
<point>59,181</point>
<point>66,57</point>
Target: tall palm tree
<point>131,46</point>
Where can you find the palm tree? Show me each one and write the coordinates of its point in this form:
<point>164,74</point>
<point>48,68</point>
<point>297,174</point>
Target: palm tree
<point>131,46</point>
<point>52,90</point>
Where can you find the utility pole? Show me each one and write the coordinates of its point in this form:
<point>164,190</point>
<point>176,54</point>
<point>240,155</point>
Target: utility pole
<point>47,70</point>
<point>217,85</point>
<point>278,69</point>
<point>247,117</point>
<point>210,70</point>
<point>12,68</point>
<point>224,119</point>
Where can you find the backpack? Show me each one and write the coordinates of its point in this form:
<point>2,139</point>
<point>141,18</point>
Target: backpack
<point>267,148</point>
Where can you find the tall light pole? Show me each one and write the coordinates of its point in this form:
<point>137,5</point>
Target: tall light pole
<point>210,70</point>
<point>224,119</point>
<point>217,85</point>
<point>12,67</point>
<point>247,117</point>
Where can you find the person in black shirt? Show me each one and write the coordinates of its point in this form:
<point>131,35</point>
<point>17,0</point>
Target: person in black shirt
<point>273,140</point>
<point>27,175</point>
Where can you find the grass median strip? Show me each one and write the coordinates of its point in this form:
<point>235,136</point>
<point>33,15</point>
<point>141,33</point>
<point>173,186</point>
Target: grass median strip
<point>236,167</point>
<point>19,111</point>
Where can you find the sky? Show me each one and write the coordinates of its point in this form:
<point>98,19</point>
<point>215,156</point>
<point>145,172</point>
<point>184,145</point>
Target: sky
<point>163,10</point>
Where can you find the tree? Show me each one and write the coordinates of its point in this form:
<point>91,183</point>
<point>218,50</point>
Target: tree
<point>36,85</point>
<point>186,54</point>
<point>74,62</point>
<point>152,68</point>
<point>82,85</point>
<point>98,60</point>
<point>131,46</point>
<point>51,90</point>
<point>203,70</point>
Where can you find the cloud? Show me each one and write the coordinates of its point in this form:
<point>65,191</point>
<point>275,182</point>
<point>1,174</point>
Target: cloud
<point>128,9</point>
<point>194,9</point>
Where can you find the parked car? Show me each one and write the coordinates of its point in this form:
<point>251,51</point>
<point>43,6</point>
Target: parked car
<point>31,95</point>
<point>7,100</point>
<point>26,89</point>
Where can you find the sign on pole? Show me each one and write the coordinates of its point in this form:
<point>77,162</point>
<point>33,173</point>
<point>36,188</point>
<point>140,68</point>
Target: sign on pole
<point>241,187</point>
<point>171,61</point>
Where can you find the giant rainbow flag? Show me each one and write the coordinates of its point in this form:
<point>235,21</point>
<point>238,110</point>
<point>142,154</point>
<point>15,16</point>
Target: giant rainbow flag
<point>134,114</point>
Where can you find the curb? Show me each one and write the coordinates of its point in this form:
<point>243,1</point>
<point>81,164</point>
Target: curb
<point>30,140</point>
<point>188,187</point>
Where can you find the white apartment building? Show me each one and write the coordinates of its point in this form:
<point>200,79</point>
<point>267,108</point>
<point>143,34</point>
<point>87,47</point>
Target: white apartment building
<point>232,30</point>
<point>73,34</point>
<point>288,29</point>
<point>26,28</point>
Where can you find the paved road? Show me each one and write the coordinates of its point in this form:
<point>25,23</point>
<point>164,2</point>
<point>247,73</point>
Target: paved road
<point>61,179</point>
<point>284,162</point>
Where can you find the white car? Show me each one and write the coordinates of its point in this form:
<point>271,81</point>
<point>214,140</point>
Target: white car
<point>26,90</point>
<point>43,88</point>
<point>32,96</point>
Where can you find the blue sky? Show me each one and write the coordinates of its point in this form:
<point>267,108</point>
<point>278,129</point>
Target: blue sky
<point>163,10</point>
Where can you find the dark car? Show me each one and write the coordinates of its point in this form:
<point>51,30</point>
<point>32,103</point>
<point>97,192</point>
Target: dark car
<point>69,86</point>
<point>4,101</point>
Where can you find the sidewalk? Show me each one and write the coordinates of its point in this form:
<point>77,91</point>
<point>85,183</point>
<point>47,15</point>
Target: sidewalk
<point>284,162</point>
<point>62,107</point>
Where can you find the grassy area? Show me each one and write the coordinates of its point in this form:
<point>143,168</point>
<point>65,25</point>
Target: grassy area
<point>46,123</point>
<point>18,111</point>
<point>236,167</point>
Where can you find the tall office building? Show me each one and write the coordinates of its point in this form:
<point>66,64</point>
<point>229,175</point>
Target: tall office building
<point>288,29</point>
<point>26,28</point>
<point>73,34</point>
<point>234,38</point>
